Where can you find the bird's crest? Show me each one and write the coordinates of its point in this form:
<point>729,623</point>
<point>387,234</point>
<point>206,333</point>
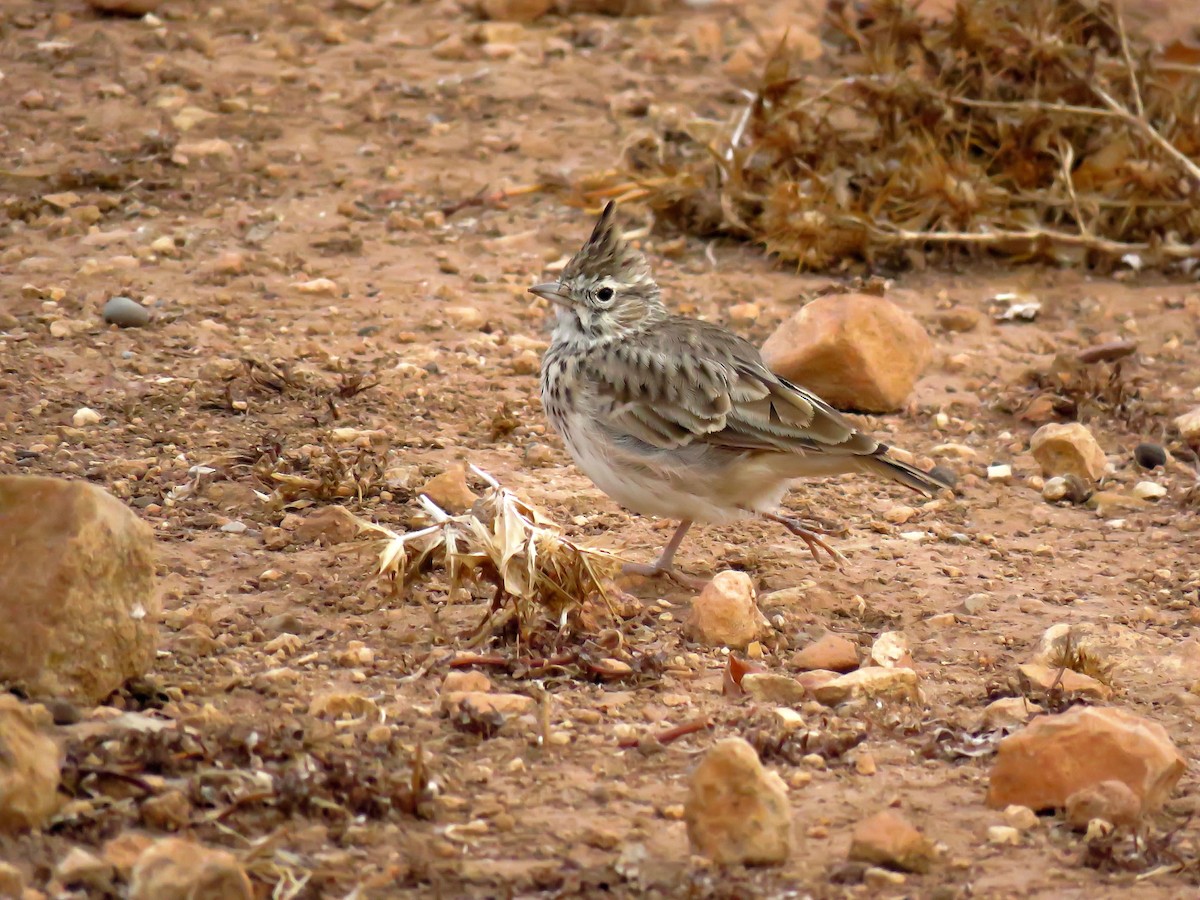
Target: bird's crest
<point>607,253</point>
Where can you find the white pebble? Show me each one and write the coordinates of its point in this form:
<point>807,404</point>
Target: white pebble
<point>1149,490</point>
<point>85,416</point>
<point>1003,834</point>
<point>1001,473</point>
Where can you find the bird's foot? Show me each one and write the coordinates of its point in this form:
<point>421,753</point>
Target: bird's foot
<point>655,570</point>
<point>811,537</point>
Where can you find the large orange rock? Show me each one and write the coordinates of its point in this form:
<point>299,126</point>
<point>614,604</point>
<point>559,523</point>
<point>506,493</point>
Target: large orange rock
<point>1055,756</point>
<point>856,351</point>
<point>737,812</point>
<point>77,598</point>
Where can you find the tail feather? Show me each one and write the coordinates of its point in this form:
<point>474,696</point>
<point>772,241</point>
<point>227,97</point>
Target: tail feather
<point>910,476</point>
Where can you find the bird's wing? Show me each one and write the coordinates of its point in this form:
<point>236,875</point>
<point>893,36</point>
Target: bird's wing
<point>687,382</point>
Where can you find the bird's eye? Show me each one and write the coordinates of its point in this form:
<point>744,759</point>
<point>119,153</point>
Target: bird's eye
<point>604,294</point>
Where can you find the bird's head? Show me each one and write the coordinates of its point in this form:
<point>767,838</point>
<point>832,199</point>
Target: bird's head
<point>606,289</point>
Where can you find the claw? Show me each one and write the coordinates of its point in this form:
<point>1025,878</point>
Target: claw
<point>811,537</point>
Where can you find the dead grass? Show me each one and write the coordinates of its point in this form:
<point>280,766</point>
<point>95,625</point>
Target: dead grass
<point>1032,129</point>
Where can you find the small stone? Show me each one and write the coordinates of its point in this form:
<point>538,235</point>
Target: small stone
<point>1009,713</point>
<point>30,764</point>
<point>458,681</point>
<point>945,475</point>
<point>1149,490</point>
<point>880,878</point>
<point>1055,489</point>
<point>168,811</point>
<point>1000,472</point>
<point>1043,678</point>
<point>1150,456</point>
<point>485,702</point>
<point>324,286</point>
<point>1188,425</point>
<point>1003,835</point>
<point>742,314</point>
<point>1056,756</point>
<point>79,868</point>
<point>125,7</point>
<point>768,687</point>
<point>890,650</point>
<point>449,489</point>
<point>1068,450</point>
<point>737,812</point>
<point>864,764</point>
<point>810,681</point>
<point>725,613</point>
<point>1071,488</point>
<point>857,351</point>
<point>959,319</point>
<point>1021,818</point>
<point>527,362</point>
<point>176,869</point>
<point>465,318</point>
<point>831,652</point>
<point>77,583</point>
<point>872,684</point>
<point>336,704</point>
<point>330,524</point>
<point>1112,801</point>
<point>124,312</point>
<point>514,10</point>
<point>888,839</point>
<point>12,882</point>
<point>85,416</point>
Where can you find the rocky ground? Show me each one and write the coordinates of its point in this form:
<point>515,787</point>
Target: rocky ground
<point>303,197</point>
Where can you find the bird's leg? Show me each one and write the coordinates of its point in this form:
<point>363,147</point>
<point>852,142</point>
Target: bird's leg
<point>665,564</point>
<point>810,536</point>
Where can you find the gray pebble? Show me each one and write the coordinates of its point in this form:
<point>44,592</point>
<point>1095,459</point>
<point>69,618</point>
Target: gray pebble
<point>126,313</point>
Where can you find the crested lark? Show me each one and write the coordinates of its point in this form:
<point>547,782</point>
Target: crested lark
<point>679,418</point>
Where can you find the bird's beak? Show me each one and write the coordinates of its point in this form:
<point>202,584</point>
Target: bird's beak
<point>552,291</point>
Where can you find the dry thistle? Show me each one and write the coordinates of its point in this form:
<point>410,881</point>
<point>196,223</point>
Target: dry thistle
<point>504,542</point>
<point>1033,129</point>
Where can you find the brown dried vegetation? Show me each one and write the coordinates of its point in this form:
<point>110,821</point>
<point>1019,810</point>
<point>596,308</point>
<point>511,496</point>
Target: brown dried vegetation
<point>1035,130</point>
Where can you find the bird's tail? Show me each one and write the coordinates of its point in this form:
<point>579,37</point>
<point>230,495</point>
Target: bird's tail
<point>910,476</point>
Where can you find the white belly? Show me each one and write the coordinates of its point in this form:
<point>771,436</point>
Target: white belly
<point>657,487</point>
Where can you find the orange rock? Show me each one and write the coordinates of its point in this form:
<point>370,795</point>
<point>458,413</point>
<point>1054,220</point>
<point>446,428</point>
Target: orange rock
<point>726,614</point>
<point>29,768</point>
<point>737,812</point>
<point>450,491</point>
<point>514,10</point>
<point>856,351</point>
<point>1068,450</point>
<point>875,683</point>
<point>888,839</point>
<point>77,584</point>
<point>832,652</point>
<point>1043,678</point>
<point>1054,756</point>
<point>175,869</point>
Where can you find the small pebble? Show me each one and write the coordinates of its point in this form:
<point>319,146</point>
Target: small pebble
<point>1150,456</point>
<point>1000,472</point>
<point>1148,490</point>
<point>233,527</point>
<point>125,313</point>
<point>1021,818</point>
<point>85,416</point>
<point>1003,834</point>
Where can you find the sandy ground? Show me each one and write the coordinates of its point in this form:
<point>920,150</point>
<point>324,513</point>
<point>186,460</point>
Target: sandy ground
<point>345,134</point>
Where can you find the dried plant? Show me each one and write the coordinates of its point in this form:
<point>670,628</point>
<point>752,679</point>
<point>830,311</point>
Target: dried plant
<point>504,542</point>
<point>1035,129</point>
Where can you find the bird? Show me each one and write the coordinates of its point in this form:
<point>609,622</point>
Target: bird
<point>679,418</point>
